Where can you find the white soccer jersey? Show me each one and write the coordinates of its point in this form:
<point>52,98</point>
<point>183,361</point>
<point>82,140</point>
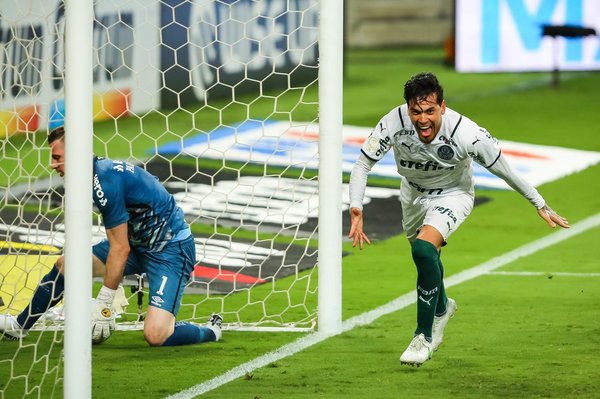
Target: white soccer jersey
<point>440,167</point>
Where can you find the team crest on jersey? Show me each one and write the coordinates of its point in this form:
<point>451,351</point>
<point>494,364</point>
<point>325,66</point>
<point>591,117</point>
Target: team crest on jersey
<point>445,152</point>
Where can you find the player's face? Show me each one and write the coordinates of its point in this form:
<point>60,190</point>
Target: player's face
<point>426,116</point>
<point>57,163</point>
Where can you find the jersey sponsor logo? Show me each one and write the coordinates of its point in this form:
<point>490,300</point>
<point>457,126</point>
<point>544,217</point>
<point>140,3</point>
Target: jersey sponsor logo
<point>448,140</point>
<point>377,146</point>
<point>488,135</point>
<point>476,157</point>
<point>445,211</point>
<point>430,191</point>
<point>404,132</point>
<point>98,191</point>
<point>424,166</point>
<point>426,292</point>
<point>445,152</point>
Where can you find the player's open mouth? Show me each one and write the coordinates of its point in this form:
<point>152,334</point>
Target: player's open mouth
<point>426,131</point>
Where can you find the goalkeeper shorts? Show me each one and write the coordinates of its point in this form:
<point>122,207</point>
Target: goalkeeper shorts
<point>167,271</point>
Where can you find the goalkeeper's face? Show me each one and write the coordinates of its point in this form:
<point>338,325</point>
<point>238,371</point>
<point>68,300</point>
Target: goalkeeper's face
<point>57,163</point>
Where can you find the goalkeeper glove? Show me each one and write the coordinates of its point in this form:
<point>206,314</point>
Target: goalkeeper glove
<point>103,319</point>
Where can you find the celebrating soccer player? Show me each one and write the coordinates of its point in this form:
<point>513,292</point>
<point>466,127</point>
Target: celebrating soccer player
<point>433,148</point>
<point>146,233</point>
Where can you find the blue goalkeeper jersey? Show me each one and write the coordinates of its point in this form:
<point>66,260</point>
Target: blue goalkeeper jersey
<point>125,193</point>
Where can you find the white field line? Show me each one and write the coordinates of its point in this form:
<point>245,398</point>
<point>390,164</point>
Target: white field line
<point>390,307</point>
<point>549,274</point>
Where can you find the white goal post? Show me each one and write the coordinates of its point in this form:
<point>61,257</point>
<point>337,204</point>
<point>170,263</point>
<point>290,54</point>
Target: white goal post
<point>235,106</point>
<point>78,203</point>
<point>330,167</point>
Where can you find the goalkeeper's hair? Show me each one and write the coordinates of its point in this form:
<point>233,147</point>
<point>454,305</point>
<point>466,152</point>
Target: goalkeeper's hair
<point>421,85</point>
<point>56,134</point>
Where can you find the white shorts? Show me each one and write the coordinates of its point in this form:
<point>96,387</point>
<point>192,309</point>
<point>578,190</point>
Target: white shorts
<point>444,213</point>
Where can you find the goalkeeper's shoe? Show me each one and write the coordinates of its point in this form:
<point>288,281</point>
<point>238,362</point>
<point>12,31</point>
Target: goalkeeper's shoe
<point>439,323</point>
<point>10,327</point>
<point>215,321</point>
<point>418,351</point>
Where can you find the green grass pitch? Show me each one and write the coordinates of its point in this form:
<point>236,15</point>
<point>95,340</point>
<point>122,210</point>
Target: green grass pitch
<point>514,336</point>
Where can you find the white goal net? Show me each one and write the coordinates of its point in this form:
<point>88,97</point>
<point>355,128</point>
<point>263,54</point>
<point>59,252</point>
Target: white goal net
<point>219,100</point>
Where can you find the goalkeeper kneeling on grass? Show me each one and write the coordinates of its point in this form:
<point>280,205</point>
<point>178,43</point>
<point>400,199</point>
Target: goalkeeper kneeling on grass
<point>146,233</point>
<point>433,148</point>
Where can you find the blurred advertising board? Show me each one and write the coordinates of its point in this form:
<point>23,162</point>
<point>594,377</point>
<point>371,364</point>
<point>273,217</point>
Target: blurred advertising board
<point>506,35</point>
<point>32,33</point>
<point>152,54</point>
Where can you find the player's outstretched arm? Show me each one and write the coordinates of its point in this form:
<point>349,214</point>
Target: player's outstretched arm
<point>356,229</point>
<point>502,169</point>
<point>552,218</point>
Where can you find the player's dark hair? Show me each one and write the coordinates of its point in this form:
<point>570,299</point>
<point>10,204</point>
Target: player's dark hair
<point>56,134</point>
<point>421,85</point>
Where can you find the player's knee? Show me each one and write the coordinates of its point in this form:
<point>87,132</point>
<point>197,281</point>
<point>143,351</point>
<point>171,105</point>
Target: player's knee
<point>154,338</point>
<point>424,254</point>
<point>424,249</point>
<point>156,335</point>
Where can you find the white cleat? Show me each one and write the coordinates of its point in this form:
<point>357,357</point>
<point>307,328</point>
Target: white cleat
<point>439,323</point>
<point>418,351</point>
<point>10,328</point>
<point>214,323</point>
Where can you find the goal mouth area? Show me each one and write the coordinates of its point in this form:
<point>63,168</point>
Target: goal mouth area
<point>242,327</point>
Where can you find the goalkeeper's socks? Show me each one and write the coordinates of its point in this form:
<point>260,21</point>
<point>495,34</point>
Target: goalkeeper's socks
<point>48,293</point>
<point>442,298</point>
<point>186,334</point>
<point>425,256</point>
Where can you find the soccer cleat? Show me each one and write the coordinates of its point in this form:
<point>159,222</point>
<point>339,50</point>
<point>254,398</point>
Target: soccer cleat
<point>439,323</point>
<point>10,328</point>
<point>418,351</point>
<point>215,321</point>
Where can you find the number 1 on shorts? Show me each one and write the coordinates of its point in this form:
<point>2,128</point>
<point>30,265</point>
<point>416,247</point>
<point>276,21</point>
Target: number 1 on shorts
<point>162,285</point>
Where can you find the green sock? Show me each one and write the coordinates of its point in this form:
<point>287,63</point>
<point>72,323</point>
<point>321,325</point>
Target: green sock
<point>426,256</point>
<point>442,298</point>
